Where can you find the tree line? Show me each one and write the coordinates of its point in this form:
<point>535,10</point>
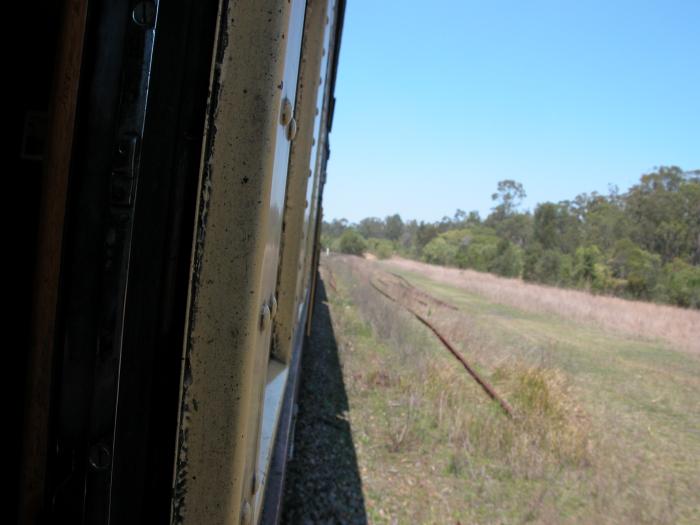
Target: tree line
<point>641,244</point>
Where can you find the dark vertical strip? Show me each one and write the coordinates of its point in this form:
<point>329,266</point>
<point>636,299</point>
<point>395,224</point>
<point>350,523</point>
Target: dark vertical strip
<point>159,268</point>
<point>54,186</point>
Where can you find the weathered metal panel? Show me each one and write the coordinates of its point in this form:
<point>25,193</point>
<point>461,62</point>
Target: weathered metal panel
<point>319,157</point>
<point>235,260</point>
<point>271,374</point>
<point>309,96</point>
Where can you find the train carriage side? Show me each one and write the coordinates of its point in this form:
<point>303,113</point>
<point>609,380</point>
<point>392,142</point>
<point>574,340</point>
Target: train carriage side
<point>176,257</point>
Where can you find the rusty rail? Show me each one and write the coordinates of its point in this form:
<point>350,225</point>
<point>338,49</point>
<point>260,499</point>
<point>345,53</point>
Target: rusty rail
<point>480,380</point>
<point>414,290</point>
<point>432,298</point>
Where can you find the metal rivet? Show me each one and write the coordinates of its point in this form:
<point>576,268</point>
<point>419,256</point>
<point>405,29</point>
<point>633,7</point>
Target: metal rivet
<point>265,317</point>
<point>99,457</point>
<point>245,512</point>
<point>292,129</point>
<point>144,14</point>
<point>273,311</point>
<point>286,112</point>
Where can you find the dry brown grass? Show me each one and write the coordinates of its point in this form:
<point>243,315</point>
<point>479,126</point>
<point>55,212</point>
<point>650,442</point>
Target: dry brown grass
<point>433,448</point>
<point>417,405</point>
<point>678,326</point>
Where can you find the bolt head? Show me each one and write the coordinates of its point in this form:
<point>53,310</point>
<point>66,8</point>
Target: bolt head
<point>292,130</point>
<point>144,14</point>
<point>286,112</point>
<point>265,315</point>
<point>99,457</point>
<point>245,512</point>
<point>273,307</point>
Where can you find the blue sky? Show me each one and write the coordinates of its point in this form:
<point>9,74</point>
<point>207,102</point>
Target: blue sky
<point>438,101</point>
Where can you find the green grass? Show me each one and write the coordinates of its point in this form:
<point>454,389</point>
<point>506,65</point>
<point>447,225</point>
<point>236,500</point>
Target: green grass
<point>608,427</point>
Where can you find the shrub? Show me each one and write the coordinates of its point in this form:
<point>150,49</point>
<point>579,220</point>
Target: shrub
<point>382,248</point>
<point>477,254</point>
<point>637,266</point>
<point>439,251</point>
<point>546,266</point>
<point>680,284</point>
<point>508,261</point>
<point>352,243</point>
<point>590,271</point>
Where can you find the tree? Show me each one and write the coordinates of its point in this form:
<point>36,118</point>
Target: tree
<point>604,223</point>
<point>477,252</point>
<point>393,227</point>
<point>681,284</point>
<point>382,248</point>
<point>508,261</point>
<point>509,195</point>
<point>585,264</point>
<point>643,243</point>
<point>547,266</point>
<point>445,224</point>
<point>665,211</point>
<point>516,228</point>
<point>371,227</point>
<point>638,267</point>
<point>335,228</point>
<point>551,267</point>
<point>590,271</point>
<point>460,218</point>
<point>407,241</point>
<point>473,219</point>
<point>556,226</point>
<point>545,225</point>
<point>352,243</point>
<point>439,251</point>
<point>425,233</point>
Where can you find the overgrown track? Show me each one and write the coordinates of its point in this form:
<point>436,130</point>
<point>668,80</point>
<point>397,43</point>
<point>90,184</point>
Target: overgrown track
<point>490,391</point>
<point>416,291</point>
<point>605,426</point>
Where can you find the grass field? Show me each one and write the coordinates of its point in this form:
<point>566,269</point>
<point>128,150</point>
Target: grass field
<point>607,415</point>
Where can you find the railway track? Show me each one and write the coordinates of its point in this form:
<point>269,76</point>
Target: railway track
<point>485,385</point>
<point>423,298</point>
